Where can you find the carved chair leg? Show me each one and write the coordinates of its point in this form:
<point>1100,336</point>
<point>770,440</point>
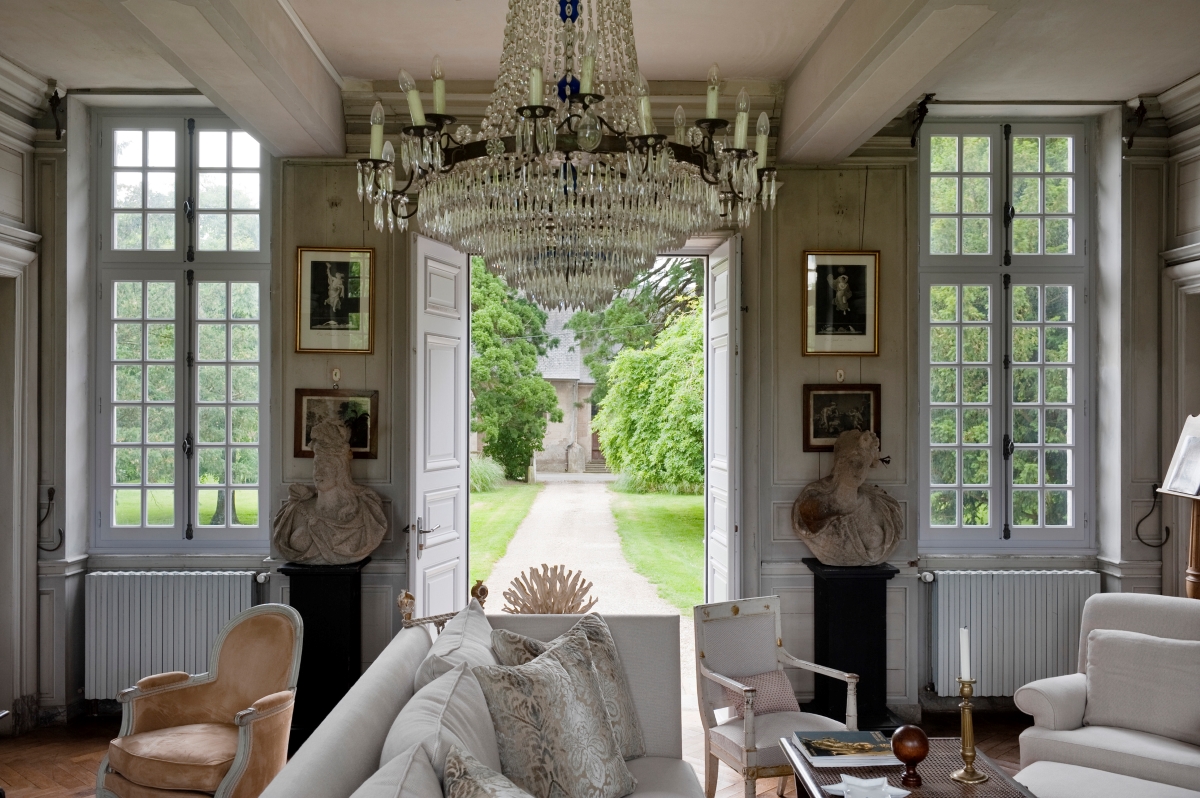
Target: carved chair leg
<point>751,787</point>
<point>783,780</point>
<point>711,766</point>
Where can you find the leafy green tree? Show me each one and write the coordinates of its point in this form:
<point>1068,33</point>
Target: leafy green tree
<point>651,423</point>
<point>512,401</point>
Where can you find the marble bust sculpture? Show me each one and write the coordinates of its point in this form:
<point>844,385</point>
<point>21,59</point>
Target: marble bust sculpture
<point>335,522</point>
<point>843,521</point>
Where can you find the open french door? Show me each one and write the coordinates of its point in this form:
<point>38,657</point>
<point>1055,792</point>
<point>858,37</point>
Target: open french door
<point>722,508</point>
<point>441,317</point>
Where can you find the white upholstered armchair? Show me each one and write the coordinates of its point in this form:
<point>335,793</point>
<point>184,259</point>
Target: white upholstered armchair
<point>739,665</point>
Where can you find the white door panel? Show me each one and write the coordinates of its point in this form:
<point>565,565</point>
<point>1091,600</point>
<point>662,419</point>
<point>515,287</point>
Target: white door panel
<point>722,542</point>
<point>437,550</point>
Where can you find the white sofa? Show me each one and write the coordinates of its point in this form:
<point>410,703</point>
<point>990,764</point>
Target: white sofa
<point>344,750</point>
<point>1065,732</point>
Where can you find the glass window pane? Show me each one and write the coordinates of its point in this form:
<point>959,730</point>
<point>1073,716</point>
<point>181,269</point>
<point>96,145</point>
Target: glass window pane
<point>943,507</point>
<point>1058,385</point>
<point>160,424</point>
<point>943,467</point>
<point>975,386</point>
<point>1059,154</point>
<point>160,383</point>
<point>160,466</point>
<point>1058,344</point>
<point>213,190</point>
<point>212,301</point>
<point>127,385</point>
<point>1027,194</point>
<point>943,236</point>
<point>943,425</point>
<point>211,424</point>
<point>245,151</point>
<point>160,231</point>
<point>977,236</point>
<point>943,345</point>
<point>160,190</point>
<point>127,231</point>
<point>160,300</point>
<point>977,154</point>
<point>1060,195</point>
<point>127,189</point>
<point>943,153</point>
<point>975,425</point>
<point>977,303</point>
<point>975,466</point>
<point>1025,467</point>
<point>1058,425</point>
<point>1058,237</point>
<point>1026,344</point>
<point>1058,507</point>
<point>127,300</point>
<point>1026,235</point>
<point>245,424</point>
<point>1025,303</point>
<point>160,341</point>
<point>211,341</point>
<point>244,511</point>
<point>975,508</point>
<point>1058,467</point>
<point>1025,425</point>
<point>943,385</point>
<point>127,342</point>
<point>244,466</point>
<point>943,303</point>
<point>127,148</point>
<point>127,424</point>
<point>976,343</point>
<point>160,507</point>
<point>127,507</point>
<point>212,231</point>
<point>1025,385</point>
<point>1058,303</point>
<point>245,232</point>
<point>213,148</point>
<point>210,383</point>
<point>211,464</point>
<point>210,507</point>
<point>1025,508</point>
<point>245,191</point>
<point>977,195</point>
<point>1027,152</point>
<point>127,466</point>
<point>244,297</point>
<point>943,195</point>
<point>161,149</point>
<point>244,383</point>
<point>244,341</point>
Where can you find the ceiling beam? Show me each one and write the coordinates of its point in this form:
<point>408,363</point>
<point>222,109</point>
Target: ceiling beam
<point>875,58</point>
<point>255,62</point>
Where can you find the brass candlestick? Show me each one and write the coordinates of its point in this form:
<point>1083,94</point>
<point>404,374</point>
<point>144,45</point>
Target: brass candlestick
<point>968,774</point>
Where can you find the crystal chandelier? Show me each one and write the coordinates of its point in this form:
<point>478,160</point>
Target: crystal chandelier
<point>567,190</point>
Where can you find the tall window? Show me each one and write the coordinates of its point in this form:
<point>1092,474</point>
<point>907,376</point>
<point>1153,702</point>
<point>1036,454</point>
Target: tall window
<point>1004,427</point>
<point>182,388</point>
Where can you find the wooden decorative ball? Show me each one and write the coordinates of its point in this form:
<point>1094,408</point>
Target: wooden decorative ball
<point>911,746</point>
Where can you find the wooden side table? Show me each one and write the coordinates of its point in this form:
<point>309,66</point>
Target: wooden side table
<point>944,758</point>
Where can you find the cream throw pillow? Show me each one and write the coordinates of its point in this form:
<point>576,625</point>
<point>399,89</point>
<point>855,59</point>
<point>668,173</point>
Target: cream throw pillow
<point>1145,683</point>
<point>467,777</point>
<point>773,693</point>
<point>552,730</point>
<point>514,649</point>
<point>408,775</point>
<point>467,637</point>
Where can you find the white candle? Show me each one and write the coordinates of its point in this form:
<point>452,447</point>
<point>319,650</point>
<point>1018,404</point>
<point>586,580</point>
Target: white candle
<point>964,639</point>
<point>409,87</point>
<point>742,120</point>
<point>587,73</point>
<point>645,117</point>
<point>762,130</point>
<point>535,85</point>
<point>714,92</point>
<point>377,130</point>
<point>439,86</point>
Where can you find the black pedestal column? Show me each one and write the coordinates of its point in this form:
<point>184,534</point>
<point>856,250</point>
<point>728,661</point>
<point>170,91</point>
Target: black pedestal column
<point>329,599</point>
<point>851,635</point>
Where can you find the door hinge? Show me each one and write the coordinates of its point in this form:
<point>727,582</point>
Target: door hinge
<point>99,405</point>
<point>98,521</point>
<point>99,241</point>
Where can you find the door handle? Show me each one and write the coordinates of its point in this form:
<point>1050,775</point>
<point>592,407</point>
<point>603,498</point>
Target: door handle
<point>421,532</point>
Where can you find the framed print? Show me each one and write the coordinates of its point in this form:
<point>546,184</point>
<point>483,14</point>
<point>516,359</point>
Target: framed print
<point>830,410</point>
<point>841,303</point>
<point>334,297</point>
<point>358,410</point>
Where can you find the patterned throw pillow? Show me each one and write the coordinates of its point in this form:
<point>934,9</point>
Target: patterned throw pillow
<point>514,649</point>
<point>553,733</point>
<point>774,694</point>
<point>467,777</point>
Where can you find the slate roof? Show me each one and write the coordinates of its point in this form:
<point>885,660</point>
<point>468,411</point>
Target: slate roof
<point>565,361</point>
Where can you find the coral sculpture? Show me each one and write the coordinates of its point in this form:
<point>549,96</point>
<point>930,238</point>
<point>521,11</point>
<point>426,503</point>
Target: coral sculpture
<point>551,591</point>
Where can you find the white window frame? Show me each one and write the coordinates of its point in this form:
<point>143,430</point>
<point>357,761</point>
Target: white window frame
<point>1073,269</point>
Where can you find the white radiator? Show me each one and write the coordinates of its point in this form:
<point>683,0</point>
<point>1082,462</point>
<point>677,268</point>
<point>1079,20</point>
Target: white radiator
<point>1024,626</point>
<point>145,622</point>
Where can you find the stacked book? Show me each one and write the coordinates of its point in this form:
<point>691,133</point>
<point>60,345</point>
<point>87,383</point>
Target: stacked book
<point>834,749</point>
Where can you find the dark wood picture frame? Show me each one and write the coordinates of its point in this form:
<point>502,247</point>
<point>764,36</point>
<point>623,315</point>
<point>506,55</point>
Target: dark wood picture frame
<point>368,450</point>
<point>813,441</point>
<point>815,342</point>
<point>338,340</point>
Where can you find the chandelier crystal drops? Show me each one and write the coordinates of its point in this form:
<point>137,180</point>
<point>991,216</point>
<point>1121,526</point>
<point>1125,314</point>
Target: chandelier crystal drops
<point>567,190</point>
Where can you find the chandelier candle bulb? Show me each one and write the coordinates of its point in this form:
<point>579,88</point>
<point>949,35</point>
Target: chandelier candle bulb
<point>377,130</point>
<point>742,121</point>
<point>645,118</point>
<point>680,125</point>
<point>439,86</point>
<point>714,92</point>
<point>587,73</point>
<point>762,130</point>
<point>535,85</point>
<point>409,87</point>
<point>964,639</point>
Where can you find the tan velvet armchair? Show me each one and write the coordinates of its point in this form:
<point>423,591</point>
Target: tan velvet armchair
<point>222,733</point>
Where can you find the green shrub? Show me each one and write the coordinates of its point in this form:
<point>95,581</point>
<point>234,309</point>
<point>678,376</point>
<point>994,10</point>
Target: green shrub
<point>486,474</point>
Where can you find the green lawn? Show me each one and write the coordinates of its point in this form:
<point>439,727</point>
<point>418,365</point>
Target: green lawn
<point>662,536</point>
<point>160,510</point>
<point>495,517</point>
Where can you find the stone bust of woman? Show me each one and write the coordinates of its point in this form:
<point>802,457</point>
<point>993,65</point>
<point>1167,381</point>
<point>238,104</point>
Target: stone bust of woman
<point>337,522</point>
<point>844,521</point>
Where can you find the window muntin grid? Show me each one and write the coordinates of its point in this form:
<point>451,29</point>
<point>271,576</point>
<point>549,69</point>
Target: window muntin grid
<point>1043,193</point>
<point>145,193</point>
<point>960,195</point>
<point>228,192</point>
<point>961,400</point>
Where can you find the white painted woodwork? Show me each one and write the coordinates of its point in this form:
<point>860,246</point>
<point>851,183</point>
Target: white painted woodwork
<point>1180,396</point>
<point>439,468</point>
<point>722,423</point>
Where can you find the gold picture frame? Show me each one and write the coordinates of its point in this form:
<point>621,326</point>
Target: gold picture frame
<point>335,299</point>
<point>841,303</point>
